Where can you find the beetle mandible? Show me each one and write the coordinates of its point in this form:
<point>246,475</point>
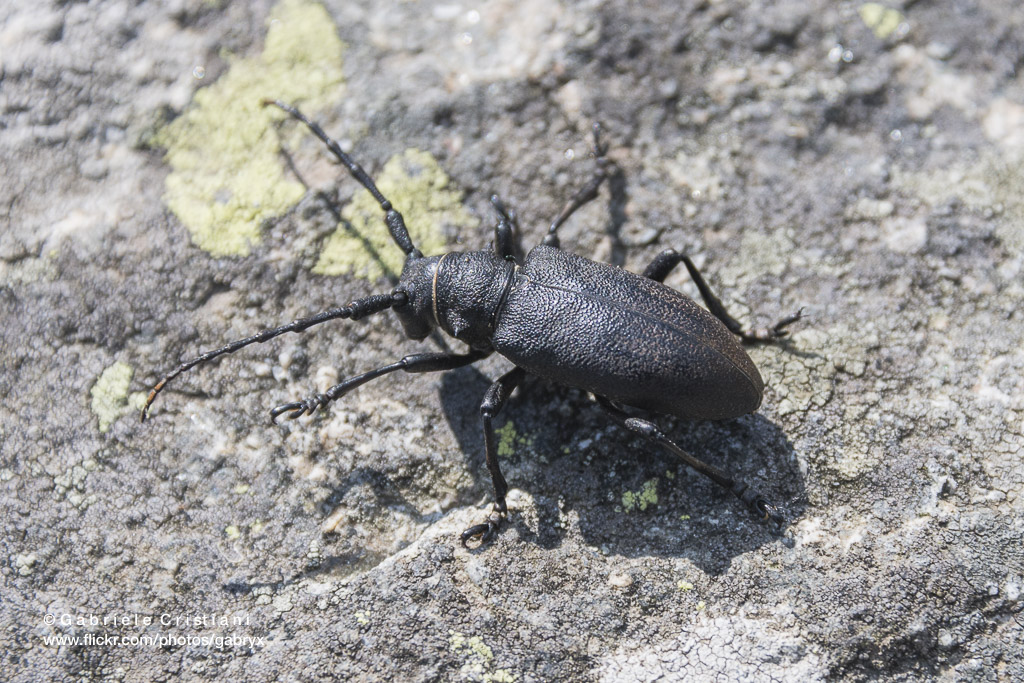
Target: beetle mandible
<point>628,339</point>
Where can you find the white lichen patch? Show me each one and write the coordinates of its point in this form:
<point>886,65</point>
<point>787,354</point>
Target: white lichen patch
<point>804,381</point>
<point>760,254</point>
<point>990,186</point>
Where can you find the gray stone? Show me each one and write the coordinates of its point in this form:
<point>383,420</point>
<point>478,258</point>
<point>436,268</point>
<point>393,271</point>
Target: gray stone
<point>881,192</point>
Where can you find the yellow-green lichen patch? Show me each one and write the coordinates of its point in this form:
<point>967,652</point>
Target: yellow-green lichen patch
<point>227,175</point>
<point>419,188</point>
<point>110,394</point>
<point>640,500</point>
<point>510,440</point>
<point>506,434</point>
<point>883,21</point>
<point>479,659</point>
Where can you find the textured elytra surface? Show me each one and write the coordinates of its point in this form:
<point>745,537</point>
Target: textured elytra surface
<point>601,329</point>
<point>802,158</point>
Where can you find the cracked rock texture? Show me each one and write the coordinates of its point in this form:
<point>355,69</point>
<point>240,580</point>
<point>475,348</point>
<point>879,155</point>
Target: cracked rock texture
<point>863,161</point>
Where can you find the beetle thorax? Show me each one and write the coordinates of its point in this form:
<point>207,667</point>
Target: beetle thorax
<point>468,290</point>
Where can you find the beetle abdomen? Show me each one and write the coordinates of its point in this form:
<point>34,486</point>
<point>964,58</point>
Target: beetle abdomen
<point>603,329</point>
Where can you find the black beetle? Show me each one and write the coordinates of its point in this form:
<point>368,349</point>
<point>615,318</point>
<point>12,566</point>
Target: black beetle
<point>628,339</point>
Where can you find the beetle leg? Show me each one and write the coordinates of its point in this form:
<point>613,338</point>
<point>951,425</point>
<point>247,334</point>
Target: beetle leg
<point>505,231</point>
<point>586,193</point>
<point>492,404</point>
<point>419,362</point>
<point>663,264</point>
<point>739,488</point>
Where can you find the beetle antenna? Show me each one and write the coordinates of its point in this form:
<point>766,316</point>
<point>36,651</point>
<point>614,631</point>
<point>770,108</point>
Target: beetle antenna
<point>355,310</point>
<point>392,218</point>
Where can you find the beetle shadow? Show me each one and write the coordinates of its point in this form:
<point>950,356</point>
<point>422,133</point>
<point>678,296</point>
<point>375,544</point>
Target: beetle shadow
<point>618,198</point>
<point>520,428</point>
<point>623,493</point>
<point>688,515</point>
<point>461,392</point>
<point>330,204</point>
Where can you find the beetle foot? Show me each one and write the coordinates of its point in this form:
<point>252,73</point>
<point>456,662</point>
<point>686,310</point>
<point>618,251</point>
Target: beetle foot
<point>779,328</point>
<point>775,332</point>
<point>484,531</point>
<point>771,514</point>
<point>759,505</point>
<point>297,409</point>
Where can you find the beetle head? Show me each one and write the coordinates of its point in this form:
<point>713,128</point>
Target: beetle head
<point>417,281</point>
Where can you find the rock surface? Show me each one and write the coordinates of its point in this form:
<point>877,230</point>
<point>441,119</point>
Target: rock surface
<point>860,160</point>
